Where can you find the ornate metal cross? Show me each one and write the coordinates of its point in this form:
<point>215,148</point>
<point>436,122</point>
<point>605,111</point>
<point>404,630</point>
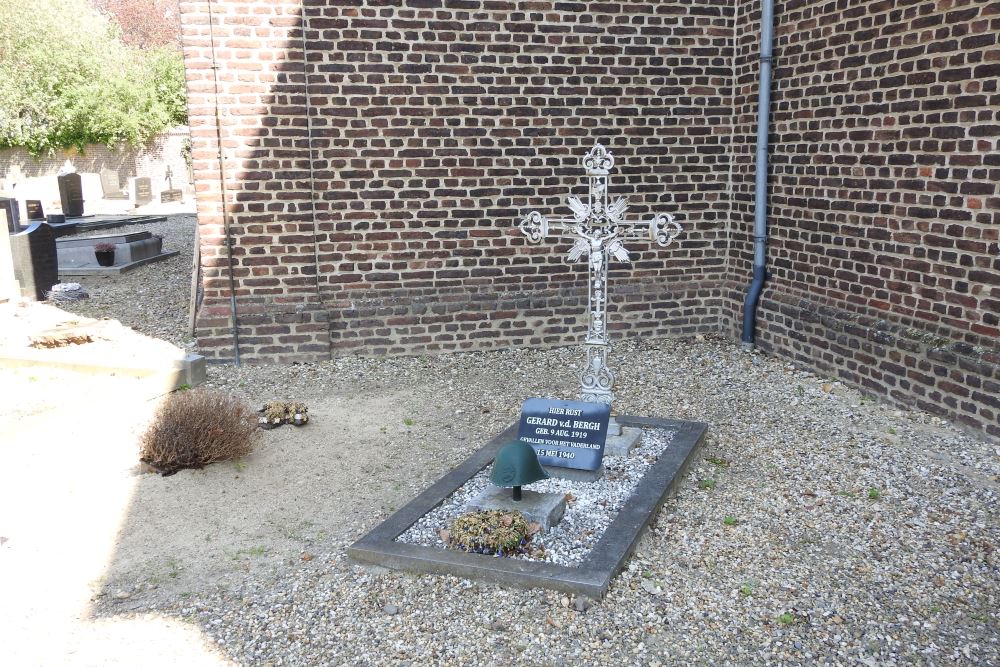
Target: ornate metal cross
<point>599,231</point>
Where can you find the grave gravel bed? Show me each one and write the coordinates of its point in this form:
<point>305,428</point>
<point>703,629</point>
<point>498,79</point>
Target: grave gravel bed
<point>590,508</point>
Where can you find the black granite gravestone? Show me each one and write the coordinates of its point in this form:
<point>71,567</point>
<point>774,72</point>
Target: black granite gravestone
<point>35,264</point>
<point>9,206</point>
<point>143,191</point>
<point>567,434</point>
<point>35,211</point>
<point>71,194</point>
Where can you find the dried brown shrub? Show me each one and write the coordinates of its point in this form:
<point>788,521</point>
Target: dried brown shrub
<point>194,428</point>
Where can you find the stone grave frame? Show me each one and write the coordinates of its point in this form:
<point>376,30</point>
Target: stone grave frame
<point>591,578</point>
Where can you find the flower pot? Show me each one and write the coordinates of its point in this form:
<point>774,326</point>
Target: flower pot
<point>105,257</point>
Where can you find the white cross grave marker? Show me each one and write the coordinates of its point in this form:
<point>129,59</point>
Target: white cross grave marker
<point>599,231</point>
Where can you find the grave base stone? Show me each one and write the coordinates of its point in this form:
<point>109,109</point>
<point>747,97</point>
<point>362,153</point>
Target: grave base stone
<point>545,509</point>
<point>623,443</point>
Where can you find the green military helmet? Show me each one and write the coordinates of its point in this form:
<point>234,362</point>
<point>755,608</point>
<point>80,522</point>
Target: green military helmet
<point>516,464</point>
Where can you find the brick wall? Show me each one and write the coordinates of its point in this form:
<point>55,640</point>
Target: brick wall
<point>884,212</point>
<point>379,154</point>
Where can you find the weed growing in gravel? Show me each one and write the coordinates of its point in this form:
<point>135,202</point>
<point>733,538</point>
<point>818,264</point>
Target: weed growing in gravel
<point>183,387</point>
<point>874,494</point>
<point>716,461</point>
<point>729,520</point>
<point>408,421</point>
<point>240,466</point>
<point>706,484</point>
<point>746,590</point>
<point>787,618</point>
<point>892,430</point>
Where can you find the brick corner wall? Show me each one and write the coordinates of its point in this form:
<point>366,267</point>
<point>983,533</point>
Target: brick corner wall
<point>884,211</point>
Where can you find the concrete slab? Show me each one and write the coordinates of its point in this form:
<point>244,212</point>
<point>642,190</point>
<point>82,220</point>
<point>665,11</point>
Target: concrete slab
<point>622,445</point>
<point>545,509</point>
<point>590,578</point>
<point>575,475</point>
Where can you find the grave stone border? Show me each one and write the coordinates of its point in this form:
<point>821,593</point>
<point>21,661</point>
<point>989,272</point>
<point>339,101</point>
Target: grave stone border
<point>592,577</point>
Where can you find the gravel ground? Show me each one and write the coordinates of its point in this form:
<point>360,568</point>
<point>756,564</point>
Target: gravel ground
<point>820,527</point>
<point>152,299</point>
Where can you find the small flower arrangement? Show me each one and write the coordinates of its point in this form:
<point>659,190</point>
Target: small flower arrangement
<point>104,247</point>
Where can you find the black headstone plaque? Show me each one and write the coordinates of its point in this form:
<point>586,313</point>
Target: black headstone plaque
<point>35,211</point>
<point>143,190</point>
<point>71,194</point>
<point>568,434</point>
<point>9,206</point>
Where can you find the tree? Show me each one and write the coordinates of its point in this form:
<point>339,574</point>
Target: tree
<point>145,24</point>
<point>68,79</point>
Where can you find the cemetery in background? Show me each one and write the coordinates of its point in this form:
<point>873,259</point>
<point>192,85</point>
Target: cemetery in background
<point>377,161</point>
<point>164,161</point>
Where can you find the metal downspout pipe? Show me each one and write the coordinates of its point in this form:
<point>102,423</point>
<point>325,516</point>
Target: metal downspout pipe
<point>760,184</point>
<point>225,197</point>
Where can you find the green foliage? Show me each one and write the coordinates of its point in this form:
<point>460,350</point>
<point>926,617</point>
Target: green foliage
<point>67,79</point>
<point>729,520</point>
<point>706,484</point>
<point>787,618</point>
<point>874,494</point>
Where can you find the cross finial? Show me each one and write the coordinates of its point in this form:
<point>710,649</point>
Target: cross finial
<point>598,162</point>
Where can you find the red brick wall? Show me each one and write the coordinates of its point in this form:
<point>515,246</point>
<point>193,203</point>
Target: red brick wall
<point>379,155</point>
<point>435,127</point>
<point>884,212</point>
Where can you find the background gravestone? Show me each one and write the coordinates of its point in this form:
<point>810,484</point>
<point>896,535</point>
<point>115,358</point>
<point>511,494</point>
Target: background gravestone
<point>71,194</point>
<point>13,215</point>
<point>111,186</point>
<point>34,255</point>
<point>8,284</point>
<point>142,190</point>
<point>35,211</point>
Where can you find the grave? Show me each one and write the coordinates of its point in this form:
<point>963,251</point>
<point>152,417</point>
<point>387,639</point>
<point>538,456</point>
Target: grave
<point>132,249</point>
<point>34,208</point>
<point>34,255</point>
<point>71,194</point>
<point>9,287</point>
<point>570,438</point>
<point>171,193</point>
<point>111,185</point>
<point>142,190</point>
<point>12,213</point>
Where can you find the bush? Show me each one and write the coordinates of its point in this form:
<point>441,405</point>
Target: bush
<point>67,79</point>
<point>194,428</point>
